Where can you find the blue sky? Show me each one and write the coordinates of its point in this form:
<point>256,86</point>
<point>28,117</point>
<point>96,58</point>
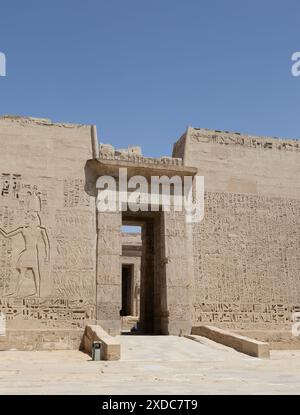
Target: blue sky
<point>144,70</point>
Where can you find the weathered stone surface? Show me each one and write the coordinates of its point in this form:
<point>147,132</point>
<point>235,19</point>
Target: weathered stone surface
<point>246,250</point>
<point>44,339</point>
<point>111,346</point>
<point>240,343</point>
<point>106,150</point>
<point>61,262</point>
<point>47,231</point>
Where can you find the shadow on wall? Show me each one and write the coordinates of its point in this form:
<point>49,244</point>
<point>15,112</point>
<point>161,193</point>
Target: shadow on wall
<point>91,176</point>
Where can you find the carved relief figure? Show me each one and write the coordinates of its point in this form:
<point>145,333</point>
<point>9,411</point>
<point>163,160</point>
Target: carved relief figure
<point>29,259</point>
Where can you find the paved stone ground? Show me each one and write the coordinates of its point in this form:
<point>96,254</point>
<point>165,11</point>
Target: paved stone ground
<point>151,365</point>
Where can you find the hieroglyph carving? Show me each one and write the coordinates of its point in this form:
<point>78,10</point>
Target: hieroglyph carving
<point>29,259</point>
<point>46,267</point>
<point>246,269</point>
<point>32,231</point>
<point>222,137</point>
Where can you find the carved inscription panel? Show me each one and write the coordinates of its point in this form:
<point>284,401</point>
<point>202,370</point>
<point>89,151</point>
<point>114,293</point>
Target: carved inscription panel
<point>237,139</point>
<point>247,261</point>
<point>47,252</point>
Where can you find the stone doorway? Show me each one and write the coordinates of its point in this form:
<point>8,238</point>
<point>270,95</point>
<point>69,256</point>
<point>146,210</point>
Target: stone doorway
<point>166,288</point>
<point>152,310</point>
<point>167,279</point>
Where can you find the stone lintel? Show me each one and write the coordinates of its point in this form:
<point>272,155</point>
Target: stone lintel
<point>111,167</point>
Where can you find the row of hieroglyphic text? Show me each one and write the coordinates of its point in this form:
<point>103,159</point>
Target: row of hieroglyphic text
<point>246,251</point>
<point>259,143</point>
<point>243,315</point>
<point>55,312</point>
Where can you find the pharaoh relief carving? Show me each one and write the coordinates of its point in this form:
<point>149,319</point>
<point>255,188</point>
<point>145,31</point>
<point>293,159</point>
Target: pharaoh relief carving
<point>34,259</point>
<point>29,259</point>
<point>46,266</point>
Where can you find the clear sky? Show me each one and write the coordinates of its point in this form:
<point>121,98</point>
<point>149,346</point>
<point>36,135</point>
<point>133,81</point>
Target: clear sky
<point>143,70</point>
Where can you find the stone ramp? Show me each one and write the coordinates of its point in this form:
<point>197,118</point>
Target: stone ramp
<point>174,349</point>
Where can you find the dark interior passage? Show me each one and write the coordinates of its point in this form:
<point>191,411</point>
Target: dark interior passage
<point>153,316</point>
<point>127,290</point>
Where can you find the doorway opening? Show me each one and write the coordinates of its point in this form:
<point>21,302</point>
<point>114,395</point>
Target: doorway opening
<point>130,284</point>
<point>127,290</point>
<point>152,314</point>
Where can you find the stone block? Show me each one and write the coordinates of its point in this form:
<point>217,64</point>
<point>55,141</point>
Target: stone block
<point>111,346</point>
<point>240,343</point>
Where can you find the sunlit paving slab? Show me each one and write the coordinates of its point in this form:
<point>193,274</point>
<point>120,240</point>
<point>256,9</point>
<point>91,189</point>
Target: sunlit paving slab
<point>151,365</point>
<point>172,348</point>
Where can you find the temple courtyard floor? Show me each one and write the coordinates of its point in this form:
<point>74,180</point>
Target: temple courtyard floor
<point>151,365</point>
